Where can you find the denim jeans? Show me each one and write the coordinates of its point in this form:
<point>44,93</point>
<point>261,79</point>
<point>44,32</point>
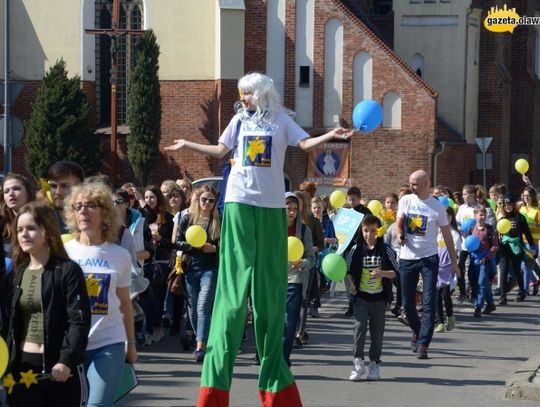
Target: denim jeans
<point>292,315</point>
<point>428,268</point>
<point>201,288</point>
<point>104,368</point>
<point>368,314</point>
<point>484,273</point>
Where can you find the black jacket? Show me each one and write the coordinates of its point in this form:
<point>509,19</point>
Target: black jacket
<point>66,314</point>
<point>209,259</point>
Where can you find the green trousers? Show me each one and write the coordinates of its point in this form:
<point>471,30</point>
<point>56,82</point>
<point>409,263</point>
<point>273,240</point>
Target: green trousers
<point>253,260</point>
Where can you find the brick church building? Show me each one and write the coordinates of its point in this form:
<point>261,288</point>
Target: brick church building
<point>325,56</point>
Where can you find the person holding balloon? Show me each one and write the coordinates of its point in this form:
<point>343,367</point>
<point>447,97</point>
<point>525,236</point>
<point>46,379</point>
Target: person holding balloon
<point>301,261</point>
<point>483,244</point>
<point>198,238</point>
<point>48,316</point>
<point>530,210</point>
<point>513,226</point>
<point>465,220</point>
<point>372,266</point>
<point>253,249</point>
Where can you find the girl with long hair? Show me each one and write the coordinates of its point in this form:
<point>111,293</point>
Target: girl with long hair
<point>49,315</point>
<point>201,274</point>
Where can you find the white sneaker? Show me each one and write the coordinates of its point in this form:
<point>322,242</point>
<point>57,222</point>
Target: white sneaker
<point>358,370</point>
<point>147,340</point>
<point>373,374</point>
<point>158,335</point>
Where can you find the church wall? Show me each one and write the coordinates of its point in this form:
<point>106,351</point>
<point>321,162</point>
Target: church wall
<point>185,34</point>
<point>427,29</point>
<point>40,34</point>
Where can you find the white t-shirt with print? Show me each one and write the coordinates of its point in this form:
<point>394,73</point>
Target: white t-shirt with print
<point>422,220</point>
<point>256,177</point>
<point>106,267</point>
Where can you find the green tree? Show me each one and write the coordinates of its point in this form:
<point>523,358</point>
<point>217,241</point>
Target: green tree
<point>58,127</point>
<point>144,108</point>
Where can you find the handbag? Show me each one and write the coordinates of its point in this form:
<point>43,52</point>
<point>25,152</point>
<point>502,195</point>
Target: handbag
<point>175,280</point>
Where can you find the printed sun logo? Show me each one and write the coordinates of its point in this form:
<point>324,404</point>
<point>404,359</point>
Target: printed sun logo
<point>415,223</point>
<point>92,285</point>
<point>255,147</point>
<point>501,20</point>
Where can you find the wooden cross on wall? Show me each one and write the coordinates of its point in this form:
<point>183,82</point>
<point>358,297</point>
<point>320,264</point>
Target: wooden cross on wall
<point>114,33</point>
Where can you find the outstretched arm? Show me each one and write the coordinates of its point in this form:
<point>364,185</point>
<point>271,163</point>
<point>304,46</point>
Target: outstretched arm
<point>218,151</point>
<point>339,133</point>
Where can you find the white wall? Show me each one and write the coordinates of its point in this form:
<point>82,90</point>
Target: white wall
<point>275,44</point>
<point>363,77</point>
<point>333,71</point>
<point>305,14</point>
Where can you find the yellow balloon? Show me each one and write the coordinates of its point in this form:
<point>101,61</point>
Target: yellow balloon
<point>503,226</point>
<point>4,356</point>
<point>196,236</point>
<point>337,199</point>
<point>375,207</point>
<point>522,166</point>
<point>295,248</point>
<point>66,237</point>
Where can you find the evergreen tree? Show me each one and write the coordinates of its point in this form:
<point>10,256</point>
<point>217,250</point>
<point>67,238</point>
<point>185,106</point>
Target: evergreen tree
<point>58,127</point>
<point>144,108</point>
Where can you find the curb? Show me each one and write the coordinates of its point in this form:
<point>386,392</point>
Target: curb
<point>524,384</point>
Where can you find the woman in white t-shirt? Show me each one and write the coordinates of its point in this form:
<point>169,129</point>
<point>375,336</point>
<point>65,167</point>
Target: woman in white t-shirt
<point>94,223</point>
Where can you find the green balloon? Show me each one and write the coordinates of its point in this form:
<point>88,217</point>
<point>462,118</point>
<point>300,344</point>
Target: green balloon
<point>334,267</point>
<point>492,204</point>
<point>451,203</point>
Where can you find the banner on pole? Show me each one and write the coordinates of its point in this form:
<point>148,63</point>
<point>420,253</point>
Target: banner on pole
<point>328,164</point>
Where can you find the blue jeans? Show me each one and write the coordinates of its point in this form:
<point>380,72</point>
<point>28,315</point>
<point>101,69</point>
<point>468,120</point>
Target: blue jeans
<point>201,288</point>
<point>104,368</point>
<point>484,273</point>
<point>428,268</point>
<point>292,315</point>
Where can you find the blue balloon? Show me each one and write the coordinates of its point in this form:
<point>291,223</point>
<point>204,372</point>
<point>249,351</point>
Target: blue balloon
<point>443,200</point>
<point>467,224</point>
<point>472,243</point>
<point>367,115</point>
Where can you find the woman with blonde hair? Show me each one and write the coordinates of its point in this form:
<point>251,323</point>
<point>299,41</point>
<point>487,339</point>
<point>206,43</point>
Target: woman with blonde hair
<point>94,223</point>
<point>49,316</point>
<point>201,274</point>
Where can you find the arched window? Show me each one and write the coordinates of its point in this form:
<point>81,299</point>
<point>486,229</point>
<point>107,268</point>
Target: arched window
<point>392,110</point>
<point>333,72</point>
<point>363,77</point>
<point>417,64</point>
<point>131,18</point>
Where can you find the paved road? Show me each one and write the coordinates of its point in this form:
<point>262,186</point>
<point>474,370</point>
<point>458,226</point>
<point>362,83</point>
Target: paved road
<point>467,367</point>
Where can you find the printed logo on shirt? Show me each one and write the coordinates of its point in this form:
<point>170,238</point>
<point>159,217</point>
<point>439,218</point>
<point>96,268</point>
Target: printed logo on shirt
<point>367,282</point>
<point>257,151</point>
<point>97,285</point>
<point>416,224</point>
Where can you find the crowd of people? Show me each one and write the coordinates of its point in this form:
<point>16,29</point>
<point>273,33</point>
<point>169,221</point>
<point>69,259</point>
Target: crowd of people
<point>91,274</point>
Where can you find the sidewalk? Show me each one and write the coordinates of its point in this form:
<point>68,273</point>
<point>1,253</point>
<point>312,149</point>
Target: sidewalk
<point>468,366</point>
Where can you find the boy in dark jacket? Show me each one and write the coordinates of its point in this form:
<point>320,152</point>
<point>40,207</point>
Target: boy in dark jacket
<point>372,266</point>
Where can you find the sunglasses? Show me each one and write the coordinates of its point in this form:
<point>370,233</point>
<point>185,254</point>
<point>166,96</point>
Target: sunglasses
<point>119,201</point>
<point>207,200</point>
<point>89,206</point>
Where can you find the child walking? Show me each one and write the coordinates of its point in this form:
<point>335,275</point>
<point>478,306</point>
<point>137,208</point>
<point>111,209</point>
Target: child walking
<point>483,262</point>
<point>372,266</point>
<point>445,277</point>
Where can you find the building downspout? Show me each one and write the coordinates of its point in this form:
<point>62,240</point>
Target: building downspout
<point>7,127</point>
<point>465,77</point>
<point>435,162</point>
